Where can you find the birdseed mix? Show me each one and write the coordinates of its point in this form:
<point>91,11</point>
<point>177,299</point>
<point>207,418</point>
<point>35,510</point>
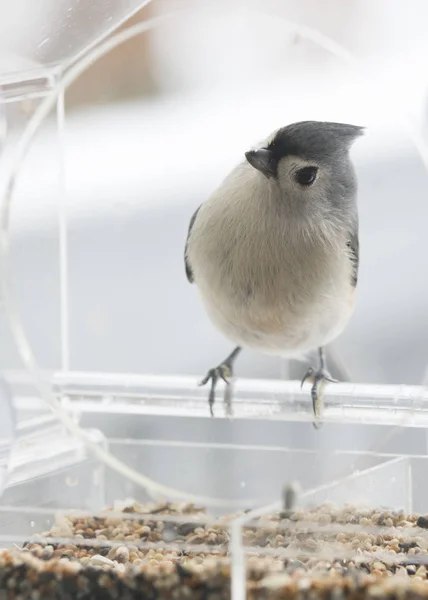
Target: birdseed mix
<point>174,551</point>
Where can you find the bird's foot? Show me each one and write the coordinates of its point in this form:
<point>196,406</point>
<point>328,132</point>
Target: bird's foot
<point>224,371</point>
<point>319,379</point>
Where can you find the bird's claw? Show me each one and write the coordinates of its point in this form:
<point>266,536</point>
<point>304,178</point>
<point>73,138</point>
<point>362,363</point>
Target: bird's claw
<point>224,372</point>
<point>317,376</point>
<point>319,379</point>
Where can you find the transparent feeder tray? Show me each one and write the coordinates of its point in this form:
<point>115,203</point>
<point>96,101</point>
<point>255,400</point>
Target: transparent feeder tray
<point>67,518</point>
<point>340,531</point>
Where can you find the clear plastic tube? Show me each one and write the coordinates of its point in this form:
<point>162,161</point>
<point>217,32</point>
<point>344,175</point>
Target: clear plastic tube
<point>63,238</point>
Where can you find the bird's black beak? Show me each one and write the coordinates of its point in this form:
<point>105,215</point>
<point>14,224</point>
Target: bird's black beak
<point>263,161</point>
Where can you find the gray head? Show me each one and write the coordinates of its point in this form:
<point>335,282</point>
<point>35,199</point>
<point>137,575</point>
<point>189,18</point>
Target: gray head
<point>308,162</point>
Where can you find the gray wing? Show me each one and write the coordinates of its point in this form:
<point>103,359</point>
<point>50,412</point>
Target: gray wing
<point>189,272</point>
<point>354,247</point>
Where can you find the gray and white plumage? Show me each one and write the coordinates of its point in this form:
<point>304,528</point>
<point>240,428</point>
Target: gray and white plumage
<point>275,258</point>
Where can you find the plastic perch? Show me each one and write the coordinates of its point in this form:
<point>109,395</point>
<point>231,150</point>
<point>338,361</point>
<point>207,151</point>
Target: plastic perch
<point>400,405</point>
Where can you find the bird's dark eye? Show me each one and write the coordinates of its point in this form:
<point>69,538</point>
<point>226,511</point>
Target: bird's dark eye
<point>306,176</point>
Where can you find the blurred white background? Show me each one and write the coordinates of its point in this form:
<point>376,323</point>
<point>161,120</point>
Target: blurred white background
<point>154,127</point>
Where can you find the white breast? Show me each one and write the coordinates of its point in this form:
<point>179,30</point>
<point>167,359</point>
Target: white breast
<point>264,283</point>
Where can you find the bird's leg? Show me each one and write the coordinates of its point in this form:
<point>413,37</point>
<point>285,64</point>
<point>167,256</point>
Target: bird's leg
<point>319,379</point>
<point>223,371</point>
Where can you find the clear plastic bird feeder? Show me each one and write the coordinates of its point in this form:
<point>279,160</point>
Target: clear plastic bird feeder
<point>94,317</point>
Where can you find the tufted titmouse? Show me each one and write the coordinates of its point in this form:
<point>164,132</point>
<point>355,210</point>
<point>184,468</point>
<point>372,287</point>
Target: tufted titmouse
<point>274,250</point>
